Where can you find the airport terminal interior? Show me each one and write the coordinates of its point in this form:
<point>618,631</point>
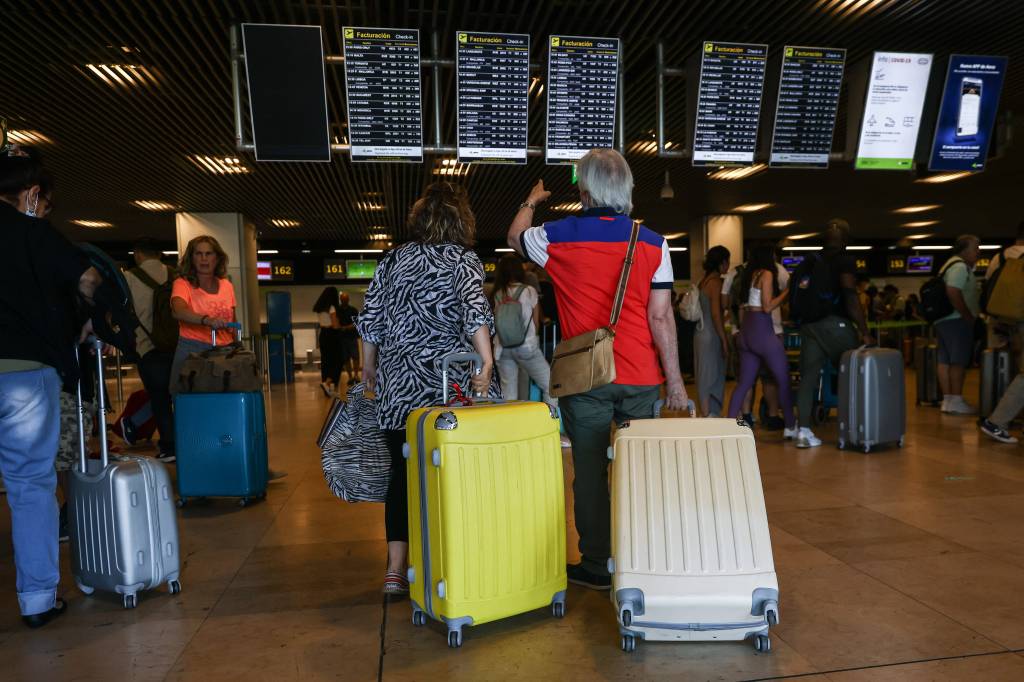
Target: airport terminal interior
<point>301,133</point>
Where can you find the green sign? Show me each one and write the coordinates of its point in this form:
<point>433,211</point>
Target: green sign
<point>574,178</point>
<point>885,164</point>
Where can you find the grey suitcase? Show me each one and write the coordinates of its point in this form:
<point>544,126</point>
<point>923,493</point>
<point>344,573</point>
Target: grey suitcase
<point>122,519</point>
<point>872,408</point>
<point>926,367</point>
<point>996,374</point>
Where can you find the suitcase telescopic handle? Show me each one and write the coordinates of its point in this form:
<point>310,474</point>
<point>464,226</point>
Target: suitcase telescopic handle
<point>237,326</point>
<point>455,358</point>
<point>659,404</point>
<point>97,346</point>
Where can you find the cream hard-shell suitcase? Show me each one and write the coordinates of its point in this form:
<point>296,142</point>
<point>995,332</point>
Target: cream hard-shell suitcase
<point>691,553</point>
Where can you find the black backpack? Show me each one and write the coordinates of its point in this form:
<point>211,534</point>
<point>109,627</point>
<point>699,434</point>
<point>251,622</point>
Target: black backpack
<point>935,303</point>
<point>164,333</point>
<point>811,295</point>
<point>113,316</point>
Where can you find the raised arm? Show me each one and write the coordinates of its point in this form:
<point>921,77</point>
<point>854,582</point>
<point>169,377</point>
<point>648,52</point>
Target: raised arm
<point>524,216</point>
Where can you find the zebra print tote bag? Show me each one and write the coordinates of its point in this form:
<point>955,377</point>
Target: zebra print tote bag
<point>354,453</point>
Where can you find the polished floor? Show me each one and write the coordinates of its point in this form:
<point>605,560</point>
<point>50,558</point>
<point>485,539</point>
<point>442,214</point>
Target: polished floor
<point>899,565</point>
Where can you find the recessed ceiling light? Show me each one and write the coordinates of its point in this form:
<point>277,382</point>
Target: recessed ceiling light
<point>359,251</point>
<point>677,248</point>
<point>738,173</point>
<point>568,207</point>
<point>306,251</point>
<point>919,236</point>
<point>220,165</point>
<point>170,253</point>
<point>647,147</point>
<point>752,208</point>
<point>859,248</point>
<point>802,248</point>
<point>122,75</point>
<point>451,168</point>
<point>154,205</point>
<point>267,252</point>
<point>920,208</point>
<point>503,250</point>
<point>802,236</point>
<point>921,223</point>
<point>944,177</point>
<point>674,235</point>
<point>284,222</point>
<point>379,237</point>
<point>369,206</point>
<point>28,137</point>
<point>92,223</point>
<point>932,247</point>
<point>779,223</point>
<point>989,247</point>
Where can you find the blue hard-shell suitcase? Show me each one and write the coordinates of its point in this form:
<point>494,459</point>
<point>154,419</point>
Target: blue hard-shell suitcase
<point>222,445</point>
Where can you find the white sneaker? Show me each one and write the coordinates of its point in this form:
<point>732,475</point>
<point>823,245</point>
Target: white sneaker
<point>957,405</point>
<point>790,434</point>
<point>805,438</point>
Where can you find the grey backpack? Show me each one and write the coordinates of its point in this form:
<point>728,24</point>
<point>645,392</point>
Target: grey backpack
<point>508,319</point>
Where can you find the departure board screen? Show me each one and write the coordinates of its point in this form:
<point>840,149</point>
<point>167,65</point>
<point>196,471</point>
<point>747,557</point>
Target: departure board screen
<point>382,87</point>
<point>493,75</point>
<point>805,116</point>
<point>728,103</point>
<point>582,85</point>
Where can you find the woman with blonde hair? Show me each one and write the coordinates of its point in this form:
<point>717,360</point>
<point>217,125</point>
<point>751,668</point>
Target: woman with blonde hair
<point>201,299</point>
<point>426,301</point>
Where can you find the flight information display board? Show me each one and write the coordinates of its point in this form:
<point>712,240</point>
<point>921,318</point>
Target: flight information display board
<point>382,89</point>
<point>582,86</point>
<point>892,110</point>
<point>728,103</point>
<point>275,271</point>
<point>493,85</point>
<point>805,116</point>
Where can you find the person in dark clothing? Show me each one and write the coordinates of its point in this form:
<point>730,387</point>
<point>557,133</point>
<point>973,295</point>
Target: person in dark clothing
<point>348,338</point>
<point>326,309</point>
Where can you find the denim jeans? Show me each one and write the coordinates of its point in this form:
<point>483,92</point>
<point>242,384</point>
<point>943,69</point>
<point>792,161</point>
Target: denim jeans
<point>530,357</point>
<point>29,430</point>
<point>155,372</point>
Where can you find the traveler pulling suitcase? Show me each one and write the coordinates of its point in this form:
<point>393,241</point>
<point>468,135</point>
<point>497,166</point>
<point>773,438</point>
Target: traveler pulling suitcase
<point>995,377</point>
<point>123,527</point>
<point>486,511</point>
<point>926,367</point>
<point>872,408</point>
<point>222,445</point>
<point>691,552</point>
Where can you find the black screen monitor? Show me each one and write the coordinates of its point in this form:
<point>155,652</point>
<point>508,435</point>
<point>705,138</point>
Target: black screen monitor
<point>791,262</point>
<point>287,92</point>
<point>920,265</point>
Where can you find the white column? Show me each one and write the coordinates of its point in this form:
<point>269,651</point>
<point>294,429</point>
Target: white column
<point>237,236</point>
<point>722,230</point>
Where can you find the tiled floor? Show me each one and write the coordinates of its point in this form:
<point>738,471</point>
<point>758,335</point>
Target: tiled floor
<point>899,565</point>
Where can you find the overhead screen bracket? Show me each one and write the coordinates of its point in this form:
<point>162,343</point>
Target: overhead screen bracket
<point>663,72</point>
<point>435,63</point>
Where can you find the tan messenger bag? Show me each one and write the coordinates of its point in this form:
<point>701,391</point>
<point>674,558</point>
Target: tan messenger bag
<point>587,361</point>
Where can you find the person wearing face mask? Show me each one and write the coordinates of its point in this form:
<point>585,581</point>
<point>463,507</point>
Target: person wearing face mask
<point>201,299</point>
<point>44,272</point>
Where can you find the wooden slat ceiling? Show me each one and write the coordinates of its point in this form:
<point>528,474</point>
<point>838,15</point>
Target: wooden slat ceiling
<point>124,135</point>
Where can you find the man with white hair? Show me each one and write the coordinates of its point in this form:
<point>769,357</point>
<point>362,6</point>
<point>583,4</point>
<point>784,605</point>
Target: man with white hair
<point>584,256</point>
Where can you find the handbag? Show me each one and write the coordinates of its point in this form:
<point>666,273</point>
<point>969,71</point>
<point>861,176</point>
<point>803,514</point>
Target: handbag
<point>587,361</point>
<point>354,452</point>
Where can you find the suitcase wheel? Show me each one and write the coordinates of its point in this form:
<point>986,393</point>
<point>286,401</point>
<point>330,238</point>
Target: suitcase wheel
<point>174,586</point>
<point>763,643</point>
<point>84,589</point>
<point>455,639</point>
<point>130,601</point>
<point>899,443</point>
<point>180,502</point>
<point>628,643</point>
<point>558,609</point>
<point>244,502</point>
<point>419,618</point>
<point>867,448</point>
<point>626,617</point>
<point>842,444</point>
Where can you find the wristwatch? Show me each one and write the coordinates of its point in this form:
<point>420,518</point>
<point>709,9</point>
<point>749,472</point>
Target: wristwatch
<point>527,204</point>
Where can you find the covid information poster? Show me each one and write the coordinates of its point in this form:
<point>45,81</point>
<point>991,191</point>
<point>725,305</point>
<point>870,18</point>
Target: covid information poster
<point>493,74</point>
<point>728,103</point>
<point>889,127</point>
<point>970,99</point>
<point>583,76</point>
<point>382,88</point>
<point>805,116</point>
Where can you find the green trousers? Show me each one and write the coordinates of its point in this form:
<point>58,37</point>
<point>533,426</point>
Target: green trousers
<point>823,341</point>
<point>588,420</point>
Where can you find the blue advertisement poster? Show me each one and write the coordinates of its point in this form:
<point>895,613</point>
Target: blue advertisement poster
<point>970,99</point>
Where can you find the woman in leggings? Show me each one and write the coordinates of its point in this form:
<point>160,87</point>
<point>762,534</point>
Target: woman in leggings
<point>758,343</point>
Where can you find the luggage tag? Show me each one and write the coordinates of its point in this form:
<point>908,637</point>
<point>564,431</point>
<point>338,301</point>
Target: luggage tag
<point>460,397</point>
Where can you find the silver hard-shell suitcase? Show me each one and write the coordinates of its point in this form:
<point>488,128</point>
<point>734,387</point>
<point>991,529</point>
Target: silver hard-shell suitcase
<point>872,404</point>
<point>926,369</point>
<point>122,519</point>
<point>995,375</point>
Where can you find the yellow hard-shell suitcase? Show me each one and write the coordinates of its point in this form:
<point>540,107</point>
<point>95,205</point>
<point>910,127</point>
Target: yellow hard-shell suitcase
<point>486,511</point>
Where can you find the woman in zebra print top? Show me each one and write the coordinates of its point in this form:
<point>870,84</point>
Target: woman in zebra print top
<point>426,301</point>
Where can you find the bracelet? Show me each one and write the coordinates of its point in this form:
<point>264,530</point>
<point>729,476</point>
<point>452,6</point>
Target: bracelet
<point>527,204</point>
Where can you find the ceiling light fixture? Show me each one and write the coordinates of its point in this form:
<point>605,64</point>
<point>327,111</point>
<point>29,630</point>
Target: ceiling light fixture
<point>224,165</point>
<point>944,177</point>
<point>503,251</point>
<point>920,208</point>
<point>674,235</point>
<point>123,75</point>
<point>284,222</point>
<point>267,252</point>
<point>921,223</point>
<point>753,208</point>
<point>677,248</point>
<point>989,247</point>
<point>568,207</point>
<point>859,248</point>
<point>452,168</point>
<point>170,253</point>
<point>795,237</point>
<point>379,236</point>
<point>359,251</point>
<point>369,206</point>
<point>92,223</point>
<point>919,236</point>
<point>738,173</point>
<point>932,247</point>
<point>779,223</point>
<point>154,205</point>
<point>802,248</point>
<point>28,137</point>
